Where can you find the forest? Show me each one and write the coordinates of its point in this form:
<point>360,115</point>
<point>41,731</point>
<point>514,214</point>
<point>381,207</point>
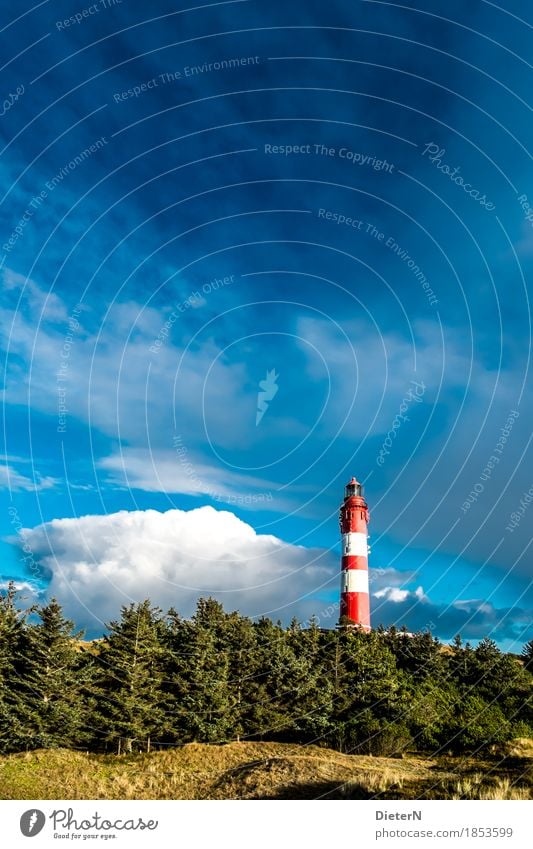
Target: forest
<point>158,680</point>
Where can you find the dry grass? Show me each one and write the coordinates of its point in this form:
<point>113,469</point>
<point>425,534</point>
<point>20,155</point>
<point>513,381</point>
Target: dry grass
<point>478,787</point>
<point>522,747</point>
<point>264,771</point>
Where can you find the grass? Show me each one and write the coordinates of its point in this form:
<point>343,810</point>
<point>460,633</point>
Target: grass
<point>265,771</point>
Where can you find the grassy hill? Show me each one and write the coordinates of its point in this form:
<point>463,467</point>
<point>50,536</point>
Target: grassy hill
<point>265,771</point>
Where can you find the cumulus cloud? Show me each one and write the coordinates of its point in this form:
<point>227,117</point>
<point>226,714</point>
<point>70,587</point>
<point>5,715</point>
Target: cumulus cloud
<point>473,618</point>
<point>395,594</point>
<point>98,563</point>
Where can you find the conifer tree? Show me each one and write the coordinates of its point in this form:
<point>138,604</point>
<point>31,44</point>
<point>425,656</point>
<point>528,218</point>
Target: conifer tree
<point>50,698</point>
<point>527,654</point>
<point>197,688</point>
<point>128,682</point>
<point>462,661</point>
<point>244,673</point>
<point>283,672</point>
<point>313,694</point>
<point>12,623</point>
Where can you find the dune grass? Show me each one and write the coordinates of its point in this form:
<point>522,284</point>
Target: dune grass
<point>264,771</point>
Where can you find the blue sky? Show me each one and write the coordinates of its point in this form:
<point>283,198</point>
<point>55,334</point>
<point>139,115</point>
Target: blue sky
<point>195,197</point>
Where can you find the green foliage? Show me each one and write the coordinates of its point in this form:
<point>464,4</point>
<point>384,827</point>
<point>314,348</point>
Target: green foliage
<point>197,673</point>
<point>125,703</point>
<point>475,726</point>
<point>160,680</point>
<point>45,701</point>
<point>12,632</point>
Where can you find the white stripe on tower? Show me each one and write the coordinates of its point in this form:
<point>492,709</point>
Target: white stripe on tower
<point>355,545</point>
<point>354,581</point>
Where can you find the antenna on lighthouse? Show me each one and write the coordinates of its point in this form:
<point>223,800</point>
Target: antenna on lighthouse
<point>353,519</point>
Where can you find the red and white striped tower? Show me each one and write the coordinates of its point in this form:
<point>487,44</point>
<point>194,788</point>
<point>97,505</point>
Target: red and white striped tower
<point>354,576</point>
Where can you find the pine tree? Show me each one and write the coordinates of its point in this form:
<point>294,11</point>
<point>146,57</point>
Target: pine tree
<point>12,624</point>
<point>127,709</point>
<point>50,700</point>
<point>313,693</point>
<point>420,655</point>
<point>368,689</point>
<point>197,692</point>
<point>284,675</point>
<point>461,661</point>
<point>475,725</point>
<point>244,674</point>
<point>527,654</point>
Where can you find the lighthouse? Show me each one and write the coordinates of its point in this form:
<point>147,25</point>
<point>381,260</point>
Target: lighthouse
<point>353,520</point>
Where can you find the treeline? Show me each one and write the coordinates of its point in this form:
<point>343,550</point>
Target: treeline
<point>160,680</point>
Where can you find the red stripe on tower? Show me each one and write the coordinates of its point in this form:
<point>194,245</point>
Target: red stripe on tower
<point>355,604</point>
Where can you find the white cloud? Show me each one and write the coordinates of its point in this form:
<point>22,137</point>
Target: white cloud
<point>20,586</point>
<point>392,594</point>
<point>98,563</point>
<point>396,595</point>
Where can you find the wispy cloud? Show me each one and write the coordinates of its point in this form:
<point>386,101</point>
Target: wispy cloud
<point>14,480</point>
<point>182,471</point>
